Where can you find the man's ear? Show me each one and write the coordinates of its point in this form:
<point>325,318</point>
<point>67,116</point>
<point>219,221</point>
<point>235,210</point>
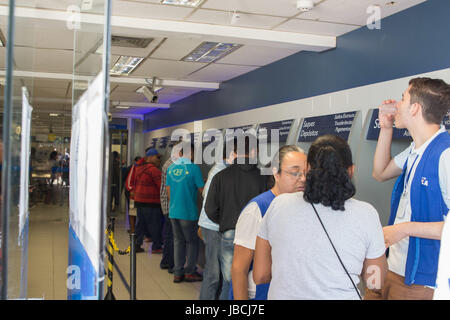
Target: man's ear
<point>416,109</point>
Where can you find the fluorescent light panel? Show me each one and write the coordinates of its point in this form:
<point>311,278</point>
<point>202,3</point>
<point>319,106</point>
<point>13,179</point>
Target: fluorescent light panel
<point>208,52</point>
<point>186,3</point>
<point>125,65</point>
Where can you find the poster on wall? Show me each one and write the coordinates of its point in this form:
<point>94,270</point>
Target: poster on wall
<point>163,141</point>
<point>24,163</point>
<point>154,143</point>
<point>338,124</point>
<point>374,130</point>
<point>283,127</point>
<point>230,132</point>
<point>85,268</point>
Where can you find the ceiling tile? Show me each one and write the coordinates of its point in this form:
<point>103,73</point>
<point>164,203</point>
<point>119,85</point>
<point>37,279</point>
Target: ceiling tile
<point>44,60</point>
<point>166,69</point>
<point>176,48</point>
<point>256,55</point>
<point>353,12</point>
<point>149,10</point>
<point>284,8</point>
<point>224,18</point>
<point>316,27</point>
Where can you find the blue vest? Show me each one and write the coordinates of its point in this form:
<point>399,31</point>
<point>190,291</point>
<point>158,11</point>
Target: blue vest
<point>263,201</point>
<point>427,205</point>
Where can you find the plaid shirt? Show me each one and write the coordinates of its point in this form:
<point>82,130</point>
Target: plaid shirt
<point>163,191</point>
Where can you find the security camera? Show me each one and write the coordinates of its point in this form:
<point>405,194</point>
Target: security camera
<point>149,93</point>
<point>305,5</point>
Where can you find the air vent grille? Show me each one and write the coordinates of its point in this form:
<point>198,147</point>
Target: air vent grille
<point>130,42</point>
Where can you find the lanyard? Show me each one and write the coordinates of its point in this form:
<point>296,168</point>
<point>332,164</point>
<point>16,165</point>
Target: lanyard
<point>409,174</point>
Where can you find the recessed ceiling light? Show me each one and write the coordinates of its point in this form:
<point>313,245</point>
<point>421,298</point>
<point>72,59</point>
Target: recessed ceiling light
<point>186,3</point>
<point>210,51</point>
<point>122,107</point>
<point>125,65</point>
<point>54,114</point>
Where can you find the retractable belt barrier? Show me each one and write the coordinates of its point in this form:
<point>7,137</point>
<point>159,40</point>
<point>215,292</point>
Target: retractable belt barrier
<point>110,253</point>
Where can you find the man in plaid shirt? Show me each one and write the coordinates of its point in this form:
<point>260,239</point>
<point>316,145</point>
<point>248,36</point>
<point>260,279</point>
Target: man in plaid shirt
<point>167,261</point>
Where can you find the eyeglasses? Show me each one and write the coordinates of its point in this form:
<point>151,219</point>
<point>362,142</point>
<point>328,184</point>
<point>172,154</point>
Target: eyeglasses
<point>296,175</point>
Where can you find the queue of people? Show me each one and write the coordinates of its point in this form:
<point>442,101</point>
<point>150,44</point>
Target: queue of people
<point>300,233</point>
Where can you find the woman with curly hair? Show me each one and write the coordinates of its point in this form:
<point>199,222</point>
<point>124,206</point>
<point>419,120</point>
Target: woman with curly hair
<point>315,244</point>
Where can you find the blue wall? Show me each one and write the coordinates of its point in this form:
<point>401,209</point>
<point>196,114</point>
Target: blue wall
<point>410,42</point>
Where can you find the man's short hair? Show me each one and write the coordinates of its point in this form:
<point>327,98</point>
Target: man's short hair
<point>434,97</point>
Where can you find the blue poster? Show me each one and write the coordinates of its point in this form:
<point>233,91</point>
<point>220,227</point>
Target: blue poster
<point>230,132</point>
<point>154,142</point>
<point>283,128</point>
<point>338,124</point>
<point>163,142</point>
<point>82,279</point>
<point>374,129</point>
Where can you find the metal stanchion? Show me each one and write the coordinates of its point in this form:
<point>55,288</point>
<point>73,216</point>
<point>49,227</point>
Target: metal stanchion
<point>110,252</point>
<point>133,267</point>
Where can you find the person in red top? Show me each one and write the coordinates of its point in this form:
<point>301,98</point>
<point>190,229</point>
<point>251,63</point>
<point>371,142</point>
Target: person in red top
<point>144,185</point>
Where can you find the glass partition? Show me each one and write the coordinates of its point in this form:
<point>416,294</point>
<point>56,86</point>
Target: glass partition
<point>49,56</point>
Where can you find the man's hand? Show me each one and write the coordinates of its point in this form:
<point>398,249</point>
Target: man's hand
<point>386,120</point>
<point>393,234</point>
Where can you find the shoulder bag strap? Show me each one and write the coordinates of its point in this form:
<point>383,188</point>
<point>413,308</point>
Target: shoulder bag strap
<point>354,286</point>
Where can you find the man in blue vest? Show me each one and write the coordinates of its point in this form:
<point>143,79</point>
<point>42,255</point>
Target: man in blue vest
<point>421,196</point>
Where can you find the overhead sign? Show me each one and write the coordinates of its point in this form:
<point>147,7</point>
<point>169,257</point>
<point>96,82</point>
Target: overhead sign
<point>283,128</point>
<point>338,124</point>
<point>163,142</point>
<point>154,143</point>
<point>230,132</point>
<point>117,126</point>
<point>374,129</point>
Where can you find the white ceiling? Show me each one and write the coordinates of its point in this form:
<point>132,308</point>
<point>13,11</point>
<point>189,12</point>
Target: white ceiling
<point>269,30</point>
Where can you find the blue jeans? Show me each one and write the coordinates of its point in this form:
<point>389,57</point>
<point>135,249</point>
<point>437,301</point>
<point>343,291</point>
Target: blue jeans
<point>212,282</point>
<point>167,256</point>
<point>226,260</point>
<point>186,245</point>
<point>149,222</point>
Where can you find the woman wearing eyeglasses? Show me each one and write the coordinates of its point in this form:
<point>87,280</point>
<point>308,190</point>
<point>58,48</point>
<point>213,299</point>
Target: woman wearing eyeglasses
<point>315,244</point>
<point>288,168</point>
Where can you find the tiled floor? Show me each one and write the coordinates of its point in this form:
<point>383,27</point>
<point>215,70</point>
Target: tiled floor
<point>48,257</point>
